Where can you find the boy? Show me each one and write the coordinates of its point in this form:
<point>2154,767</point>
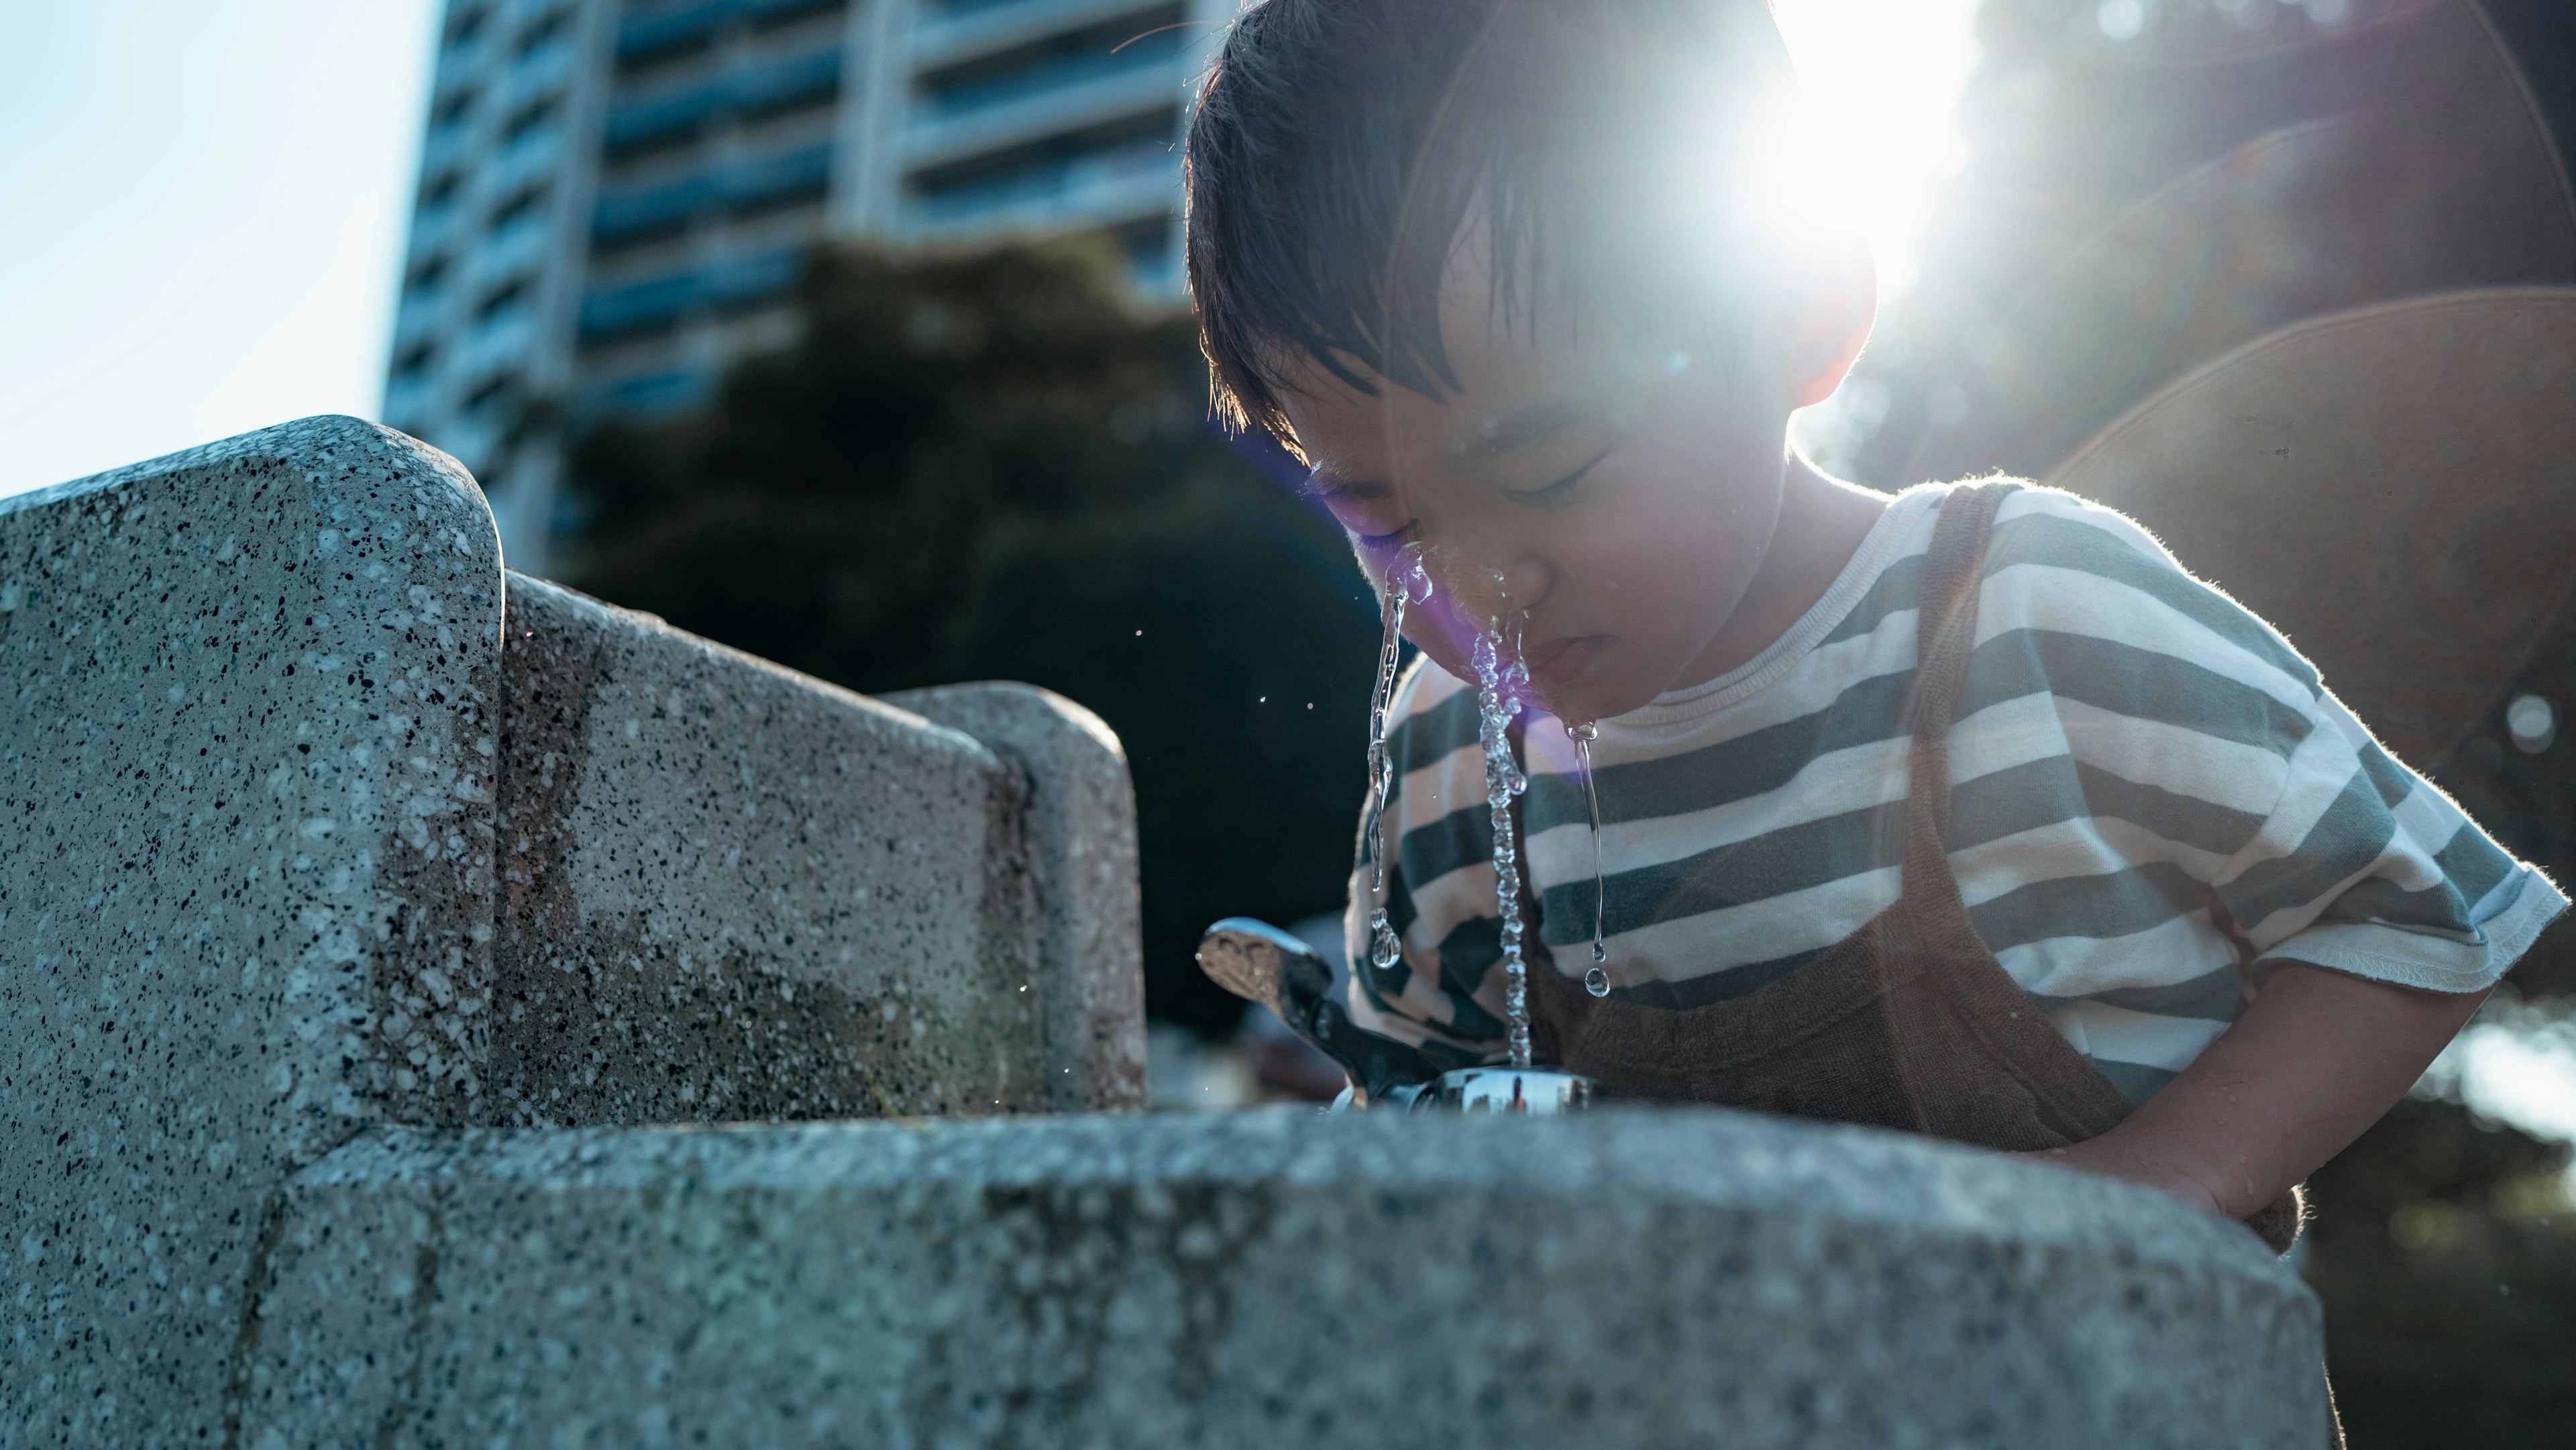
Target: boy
<point>1967,812</point>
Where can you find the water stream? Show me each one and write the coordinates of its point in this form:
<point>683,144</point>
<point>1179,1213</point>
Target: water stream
<point>1503,682</point>
<point>1595,980</point>
<point>1503,685</point>
<point>1407,582</point>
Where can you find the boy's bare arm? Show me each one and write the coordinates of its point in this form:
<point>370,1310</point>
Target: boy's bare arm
<point>2314,1060</point>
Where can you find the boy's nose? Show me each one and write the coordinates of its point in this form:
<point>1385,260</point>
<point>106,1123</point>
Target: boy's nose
<point>1485,591</point>
<point>1525,581</point>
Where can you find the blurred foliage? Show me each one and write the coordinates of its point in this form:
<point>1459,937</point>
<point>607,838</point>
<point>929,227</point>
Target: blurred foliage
<point>991,466</point>
<point>2445,1250</point>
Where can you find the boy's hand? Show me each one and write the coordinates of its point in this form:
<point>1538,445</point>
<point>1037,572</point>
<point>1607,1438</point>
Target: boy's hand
<point>2315,1059</point>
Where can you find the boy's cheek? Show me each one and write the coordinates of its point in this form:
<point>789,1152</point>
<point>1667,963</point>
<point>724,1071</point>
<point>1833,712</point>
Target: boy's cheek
<point>1440,631</point>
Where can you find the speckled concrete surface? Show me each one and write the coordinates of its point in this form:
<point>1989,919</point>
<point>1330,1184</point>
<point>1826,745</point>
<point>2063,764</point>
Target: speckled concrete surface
<point>1082,851</point>
<point>247,903</point>
<point>1622,1280</point>
<point>735,892</point>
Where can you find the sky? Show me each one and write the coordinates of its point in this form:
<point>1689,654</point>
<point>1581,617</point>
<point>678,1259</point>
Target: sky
<point>207,201</point>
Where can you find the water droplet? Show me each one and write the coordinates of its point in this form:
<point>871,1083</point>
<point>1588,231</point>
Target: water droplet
<point>1597,982</point>
<point>1385,948</point>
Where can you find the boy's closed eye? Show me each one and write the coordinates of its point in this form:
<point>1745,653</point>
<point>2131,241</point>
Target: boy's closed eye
<point>1558,493</point>
<point>1367,510</point>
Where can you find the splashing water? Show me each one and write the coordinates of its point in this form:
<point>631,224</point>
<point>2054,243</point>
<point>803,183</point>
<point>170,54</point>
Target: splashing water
<point>1595,980</point>
<point>1502,683</point>
<point>1407,582</point>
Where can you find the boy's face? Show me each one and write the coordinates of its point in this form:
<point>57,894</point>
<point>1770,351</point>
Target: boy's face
<point>1622,501</point>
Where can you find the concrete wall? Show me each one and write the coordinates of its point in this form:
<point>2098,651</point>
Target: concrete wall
<point>1626,1280</point>
<point>299,849</point>
<point>734,892</point>
<point>1082,848</point>
<point>246,908</point>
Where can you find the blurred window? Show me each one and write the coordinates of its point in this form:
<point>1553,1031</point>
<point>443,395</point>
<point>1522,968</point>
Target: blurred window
<point>453,110</point>
<point>655,306</point>
<point>491,392</point>
<point>545,28</point>
<point>529,117</point>
<point>415,360</point>
<point>632,218</point>
<point>801,83</point>
<point>440,191</point>
<point>509,297</point>
<point>1056,169</point>
<point>520,207</point>
<point>1139,40</point>
<point>651,35</point>
<point>426,276</point>
<point>468,25</point>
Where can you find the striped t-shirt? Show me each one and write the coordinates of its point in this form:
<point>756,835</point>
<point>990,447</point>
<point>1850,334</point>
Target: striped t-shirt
<point>2152,796</point>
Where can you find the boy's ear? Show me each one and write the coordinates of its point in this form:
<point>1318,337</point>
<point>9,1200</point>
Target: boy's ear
<point>1841,305</point>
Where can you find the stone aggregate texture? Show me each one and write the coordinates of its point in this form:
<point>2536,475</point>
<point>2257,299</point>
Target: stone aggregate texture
<point>1082,847</point>
<point>301,849</point>
<point>1623,1279</point>
<point>734,892</point>
<point>246,908</point>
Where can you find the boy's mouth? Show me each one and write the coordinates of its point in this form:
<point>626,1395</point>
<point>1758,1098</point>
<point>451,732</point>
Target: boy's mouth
<point>1560,661</point>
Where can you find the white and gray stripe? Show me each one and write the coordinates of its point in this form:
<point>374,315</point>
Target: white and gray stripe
<point>2152,795</point>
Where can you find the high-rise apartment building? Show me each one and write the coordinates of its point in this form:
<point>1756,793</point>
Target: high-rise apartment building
<point>616,196</point>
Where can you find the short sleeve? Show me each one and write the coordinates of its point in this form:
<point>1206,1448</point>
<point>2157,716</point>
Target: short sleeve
<point>2367,868</point>
<point>2228,801</point>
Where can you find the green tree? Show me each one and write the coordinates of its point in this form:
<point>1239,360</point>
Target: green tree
<point>991,466</point>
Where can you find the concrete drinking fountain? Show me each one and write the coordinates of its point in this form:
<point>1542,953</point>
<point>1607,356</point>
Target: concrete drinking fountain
<point>437,1008</point>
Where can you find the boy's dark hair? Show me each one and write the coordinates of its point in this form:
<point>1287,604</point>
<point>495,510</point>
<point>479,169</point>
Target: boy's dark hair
<point>1339,147</point>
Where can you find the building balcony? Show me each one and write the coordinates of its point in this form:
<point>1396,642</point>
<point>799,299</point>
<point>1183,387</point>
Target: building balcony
<point>433,229</point>
<point>806,80</point>
<point>629,218</point>
<point>657,34</point>
<point>549,67</point>
<point>420,314</point>
<point>445,147</point>
<point>523,247</point>
<point>942,36</point>
<point>664,301</point>
<point>938,141</point>
<point>536,158</point>
<point>1102,190</point>
<point>507,341</point>
<point>652,394</point>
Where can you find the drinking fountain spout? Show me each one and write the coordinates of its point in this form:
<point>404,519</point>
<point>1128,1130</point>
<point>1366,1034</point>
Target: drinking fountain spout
<point>1261,963</point>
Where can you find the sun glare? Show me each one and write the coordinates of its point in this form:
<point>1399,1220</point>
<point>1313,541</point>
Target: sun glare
<point>1876,130</point>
